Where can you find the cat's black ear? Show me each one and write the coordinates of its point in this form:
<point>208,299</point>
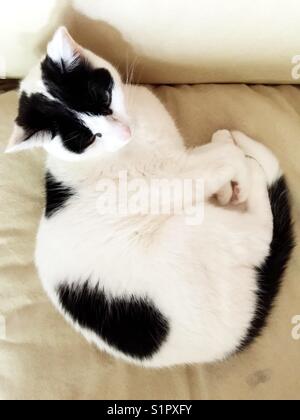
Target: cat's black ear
<point>62,49</point>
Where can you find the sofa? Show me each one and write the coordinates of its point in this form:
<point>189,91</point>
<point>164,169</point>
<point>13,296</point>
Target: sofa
<point>214,64</point>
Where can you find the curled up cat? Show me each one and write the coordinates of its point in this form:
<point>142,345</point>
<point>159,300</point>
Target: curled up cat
<point>150,288</point>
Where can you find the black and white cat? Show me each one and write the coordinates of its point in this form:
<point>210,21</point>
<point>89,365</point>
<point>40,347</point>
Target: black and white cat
<point>149,288</point>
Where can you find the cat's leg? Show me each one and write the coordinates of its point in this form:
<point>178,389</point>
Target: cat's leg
<point>222,166</point>
<point>258,216</point>
<point>261,154</point>
<point>230,191</point>
<point>264,170</point>
<point>258,203</point>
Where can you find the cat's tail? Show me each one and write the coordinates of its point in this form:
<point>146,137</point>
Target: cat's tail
<point>270,273</point>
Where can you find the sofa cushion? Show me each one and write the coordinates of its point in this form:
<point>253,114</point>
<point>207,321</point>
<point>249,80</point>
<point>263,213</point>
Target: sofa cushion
<point>41,357</point>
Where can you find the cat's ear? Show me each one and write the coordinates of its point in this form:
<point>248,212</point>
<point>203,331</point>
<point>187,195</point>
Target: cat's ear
<point>63,49</point>
<point>22,140</point>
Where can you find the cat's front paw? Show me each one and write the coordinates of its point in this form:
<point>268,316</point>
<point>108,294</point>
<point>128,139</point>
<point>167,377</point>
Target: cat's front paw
<point>223,137</point>
<point>236,191</point>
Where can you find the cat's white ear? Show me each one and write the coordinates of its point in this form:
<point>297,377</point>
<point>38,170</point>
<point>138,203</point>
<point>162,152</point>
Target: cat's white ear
<point>63,48</point>
<point>19,140</point>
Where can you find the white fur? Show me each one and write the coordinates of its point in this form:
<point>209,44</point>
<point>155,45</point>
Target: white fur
<point>200,277</point>
<point>114,135</point>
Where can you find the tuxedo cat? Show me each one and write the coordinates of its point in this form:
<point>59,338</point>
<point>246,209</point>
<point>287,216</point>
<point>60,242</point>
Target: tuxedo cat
<point>149,288</point>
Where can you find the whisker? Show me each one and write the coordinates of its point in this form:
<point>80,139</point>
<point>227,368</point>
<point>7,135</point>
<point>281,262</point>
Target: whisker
<point>71,138</point>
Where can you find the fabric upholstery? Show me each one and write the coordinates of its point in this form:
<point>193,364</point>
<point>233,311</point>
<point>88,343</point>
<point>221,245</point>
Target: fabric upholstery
<point>41,357</point>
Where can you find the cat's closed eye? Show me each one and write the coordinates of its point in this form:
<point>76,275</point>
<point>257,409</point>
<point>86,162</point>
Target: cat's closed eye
<point>92,139</point>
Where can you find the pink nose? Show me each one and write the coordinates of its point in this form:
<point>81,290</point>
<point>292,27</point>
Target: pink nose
<point>123,127</point>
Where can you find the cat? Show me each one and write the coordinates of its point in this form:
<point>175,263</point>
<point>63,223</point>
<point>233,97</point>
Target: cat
<point>150,289</point>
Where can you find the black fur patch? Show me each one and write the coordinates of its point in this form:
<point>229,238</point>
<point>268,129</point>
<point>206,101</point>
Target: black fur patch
<point>57,195</point>
<point>269,275</point>
<point>79,86</point>
<point>133,326</point>
<point>35,115</point>
<point>38,114</point>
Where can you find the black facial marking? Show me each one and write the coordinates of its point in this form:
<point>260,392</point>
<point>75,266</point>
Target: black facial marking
<point>270,274</point>
<point>38,114</point>
<point>79,86</point>
<point>57,195</point>
<point>133,326</point>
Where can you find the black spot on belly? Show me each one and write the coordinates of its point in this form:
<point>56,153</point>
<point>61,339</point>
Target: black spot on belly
<point>57,195</point>
<point>131,325</point>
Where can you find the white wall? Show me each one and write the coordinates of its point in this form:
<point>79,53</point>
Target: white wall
<point>24,26</point>
<point>174,40</point>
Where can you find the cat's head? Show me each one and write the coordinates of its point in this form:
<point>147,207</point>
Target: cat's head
<point>72,104</point>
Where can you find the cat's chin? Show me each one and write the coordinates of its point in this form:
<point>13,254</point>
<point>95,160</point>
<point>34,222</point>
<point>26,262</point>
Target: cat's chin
<point>117,146</point>
<point>92,153</point>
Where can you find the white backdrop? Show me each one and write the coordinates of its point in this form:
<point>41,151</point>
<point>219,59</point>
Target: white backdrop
<point>174,40</point>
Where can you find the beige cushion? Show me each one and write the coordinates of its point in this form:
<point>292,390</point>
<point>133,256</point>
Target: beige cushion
<point>169,41</point>
<point>41,357</point>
